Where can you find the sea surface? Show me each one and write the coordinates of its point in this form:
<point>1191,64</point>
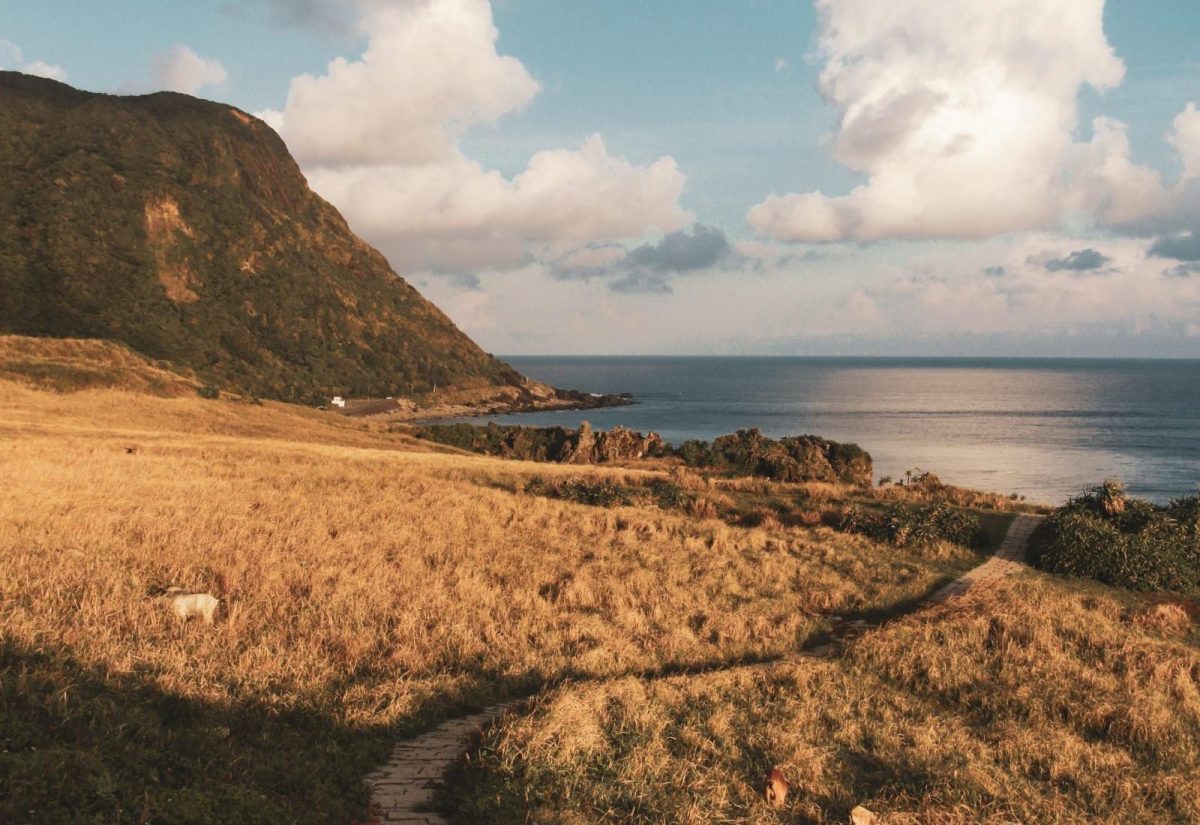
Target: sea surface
<point>1042,428</point>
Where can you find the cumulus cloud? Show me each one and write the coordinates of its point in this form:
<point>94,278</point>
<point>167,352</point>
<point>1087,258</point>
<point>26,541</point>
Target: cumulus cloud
<point>12,58</point>
<point>683,251</point>
<point>429,73</point>
<point>467,281</point>
<point>179,69</point>
<point>860,299</point>
<point>379,137</point>
<point>652,266</point>
<point>1185,137</point>
<point>1082,261</point>
<point>961,116</point>
<point>42,69</point>
<point>1182,247</point>
<point>1183,270</point>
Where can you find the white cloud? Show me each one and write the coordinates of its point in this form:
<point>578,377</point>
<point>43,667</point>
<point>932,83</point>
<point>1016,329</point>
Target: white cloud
<point>12,58</point>
<point>179,69</point>
<point>961,115</point>
<point>50,70</point>
<point>379,137</point>
<point>1185,137</point>
<point>430,72</point>
<point>919,296</point>
<point>456,214</point>
<point>781,64</point>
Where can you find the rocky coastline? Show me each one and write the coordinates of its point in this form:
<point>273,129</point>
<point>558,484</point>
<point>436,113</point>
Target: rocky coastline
<point>464,404</point>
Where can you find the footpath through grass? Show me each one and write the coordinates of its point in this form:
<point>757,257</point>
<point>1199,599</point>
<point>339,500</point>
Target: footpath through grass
<point>370,588</point>
<point>1025,703</point>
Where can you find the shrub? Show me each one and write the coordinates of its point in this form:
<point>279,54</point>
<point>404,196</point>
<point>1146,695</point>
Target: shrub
<point>209,391</point>
<point>908,526</point>
<point>790,459</point>
<point>669,495</point>
<point>1125,542</point>
<point>598,493</point>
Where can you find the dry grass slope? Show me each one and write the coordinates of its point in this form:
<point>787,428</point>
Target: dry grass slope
<point>370,587</point>
<point>74,364</point>
<point>1026,703</point>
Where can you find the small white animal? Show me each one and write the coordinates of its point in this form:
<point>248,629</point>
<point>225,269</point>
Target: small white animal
<point>185,605</point>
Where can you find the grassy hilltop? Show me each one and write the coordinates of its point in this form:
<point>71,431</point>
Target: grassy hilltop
<point>184,229</point>
<point>374,584</point>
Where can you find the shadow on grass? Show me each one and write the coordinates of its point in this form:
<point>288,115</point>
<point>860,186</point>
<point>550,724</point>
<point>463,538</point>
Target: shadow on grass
<point>81,745</point>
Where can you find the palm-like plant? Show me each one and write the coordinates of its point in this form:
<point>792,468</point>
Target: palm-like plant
<point>1112,497</point>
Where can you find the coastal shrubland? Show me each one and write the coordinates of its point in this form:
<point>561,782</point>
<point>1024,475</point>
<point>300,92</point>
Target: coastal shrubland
<point>914,525</point>
<point>1124,542</point>
<point>744,454</point>
<point>927,528</point>
<point>371,585</point>
<point>789,459</point>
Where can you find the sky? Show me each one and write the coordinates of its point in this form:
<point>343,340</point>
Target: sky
<point>791,177</point>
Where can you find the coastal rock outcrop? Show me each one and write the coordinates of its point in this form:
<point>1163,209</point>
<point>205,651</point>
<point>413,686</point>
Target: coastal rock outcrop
<point>790,459</point>
<point>557,444</point>
<point>744,453</point>
<point>617,444</point>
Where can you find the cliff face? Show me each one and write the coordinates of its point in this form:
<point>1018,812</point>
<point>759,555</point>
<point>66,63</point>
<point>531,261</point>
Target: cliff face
<point>185,229</point>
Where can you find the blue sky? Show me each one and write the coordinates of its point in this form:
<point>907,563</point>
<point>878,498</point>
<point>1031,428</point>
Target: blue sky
<point>703,110</point>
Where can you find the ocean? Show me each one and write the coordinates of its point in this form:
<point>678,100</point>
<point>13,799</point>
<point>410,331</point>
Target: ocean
<point>1042,428</point>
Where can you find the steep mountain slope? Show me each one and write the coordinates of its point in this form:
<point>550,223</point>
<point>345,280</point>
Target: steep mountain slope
<point>184,229</point>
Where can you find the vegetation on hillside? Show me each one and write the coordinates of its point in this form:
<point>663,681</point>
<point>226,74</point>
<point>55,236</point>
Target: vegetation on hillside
<point>1125,542</point>
<point>72,365</point>
<point>371,586</point>
<point>184,229</point>
<point>915,526</point>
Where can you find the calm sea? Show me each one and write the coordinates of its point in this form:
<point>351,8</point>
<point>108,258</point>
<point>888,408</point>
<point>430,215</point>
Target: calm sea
<point>1045,429</point>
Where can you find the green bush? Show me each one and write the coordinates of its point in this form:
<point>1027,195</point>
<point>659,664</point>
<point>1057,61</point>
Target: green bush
<point>670,496</point>
<point>602,493</point>
<point>789,459</point>
<point>1124,542</point>
<point>908,526</point>
<point>208,391</point>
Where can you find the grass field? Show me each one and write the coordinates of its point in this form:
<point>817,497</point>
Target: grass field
<point>371,587</point>
<point>1030,703</point>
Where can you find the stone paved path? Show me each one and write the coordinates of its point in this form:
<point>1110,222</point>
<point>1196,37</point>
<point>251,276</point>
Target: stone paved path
<point>1009,558</point>
<point>403,790</point>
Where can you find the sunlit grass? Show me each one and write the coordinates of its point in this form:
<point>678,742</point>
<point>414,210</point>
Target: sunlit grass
<point>1026,703</point>
<point>371,586</point>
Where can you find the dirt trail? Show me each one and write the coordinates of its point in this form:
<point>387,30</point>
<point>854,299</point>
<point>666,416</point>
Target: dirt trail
<point>403,790</point>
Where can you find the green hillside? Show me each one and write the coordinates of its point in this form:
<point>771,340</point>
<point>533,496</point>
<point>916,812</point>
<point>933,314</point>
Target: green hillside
<point>185,229</point>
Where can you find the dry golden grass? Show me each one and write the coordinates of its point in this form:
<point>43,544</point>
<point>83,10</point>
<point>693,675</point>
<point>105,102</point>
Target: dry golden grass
<point>71,364</point>
<point>1026,703</point>
<point>371,586</point>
